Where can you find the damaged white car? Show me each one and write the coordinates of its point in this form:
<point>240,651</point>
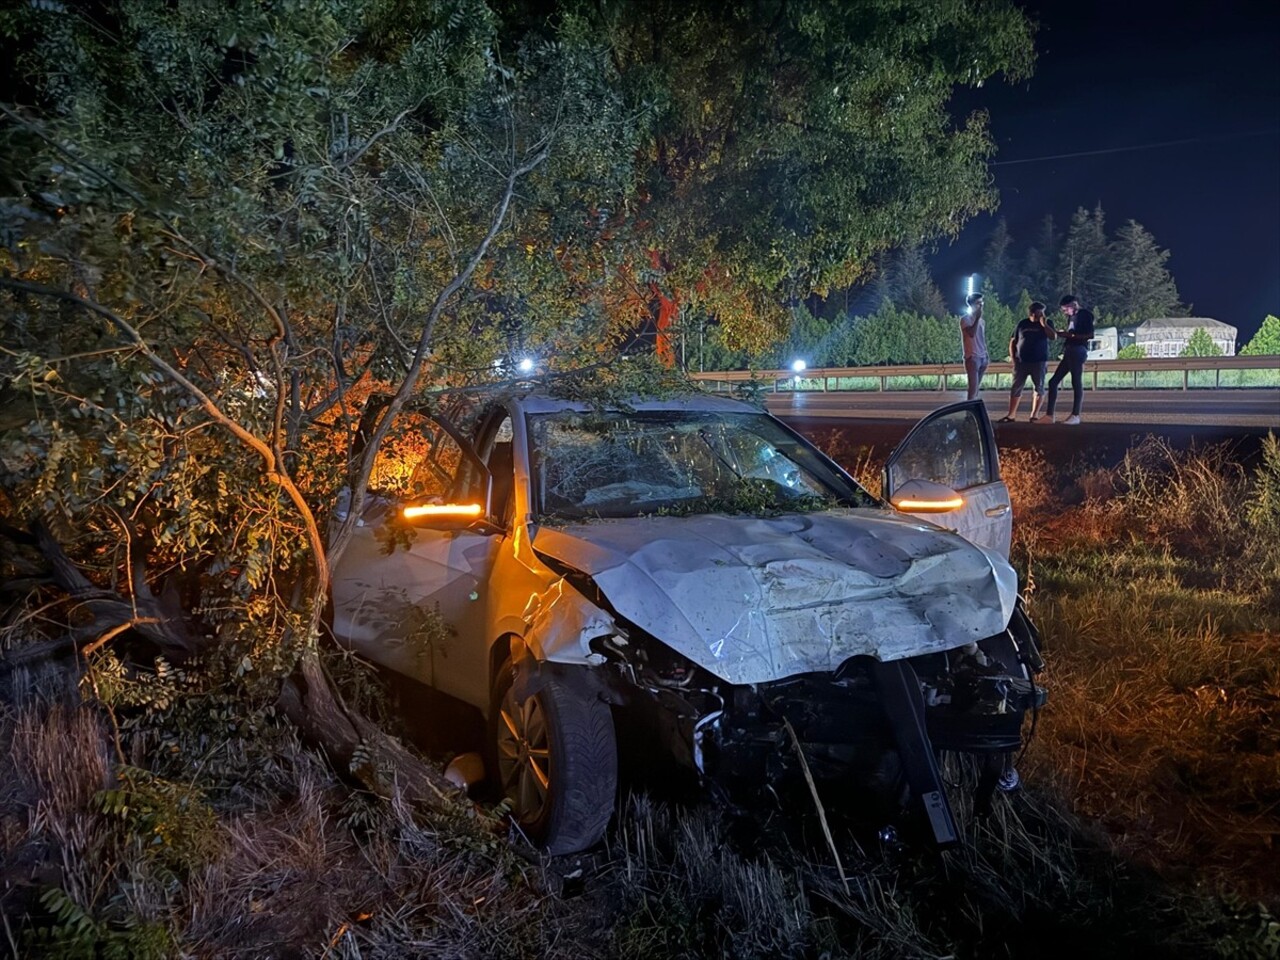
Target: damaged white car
<point>692,574</point>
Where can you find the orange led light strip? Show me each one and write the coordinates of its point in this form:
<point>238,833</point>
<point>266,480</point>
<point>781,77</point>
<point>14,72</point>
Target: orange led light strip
<point>930,506</point>
<point>443,510</point>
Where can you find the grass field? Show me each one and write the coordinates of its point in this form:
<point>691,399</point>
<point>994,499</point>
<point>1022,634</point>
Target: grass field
<point>1148,824</point>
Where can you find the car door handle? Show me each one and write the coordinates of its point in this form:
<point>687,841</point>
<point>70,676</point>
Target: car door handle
<point>999,511</point>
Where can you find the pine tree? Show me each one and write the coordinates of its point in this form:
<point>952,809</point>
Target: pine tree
<point>1083,261</point>
<point>1039,267</point>
<point>905,281</point>
<point>998,265</point>
<point>1141,286</point>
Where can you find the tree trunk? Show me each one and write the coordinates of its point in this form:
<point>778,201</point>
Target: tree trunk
<point>358,746</point>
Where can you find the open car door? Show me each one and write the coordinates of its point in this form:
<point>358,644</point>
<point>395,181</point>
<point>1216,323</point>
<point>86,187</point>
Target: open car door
<point>953,450</point>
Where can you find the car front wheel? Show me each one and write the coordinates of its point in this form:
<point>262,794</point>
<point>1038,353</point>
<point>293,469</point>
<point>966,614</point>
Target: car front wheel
<point>556,762</point>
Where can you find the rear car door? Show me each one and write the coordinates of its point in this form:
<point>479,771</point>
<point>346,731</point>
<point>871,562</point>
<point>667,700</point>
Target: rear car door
<point>955,446</point>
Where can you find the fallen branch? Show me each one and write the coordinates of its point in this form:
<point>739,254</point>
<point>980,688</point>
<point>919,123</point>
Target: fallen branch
<point>817,802</point>
<point>150,615</point>
<point>114,632</point>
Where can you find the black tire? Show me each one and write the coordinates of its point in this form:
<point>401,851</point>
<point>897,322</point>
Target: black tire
<point>555,761</point>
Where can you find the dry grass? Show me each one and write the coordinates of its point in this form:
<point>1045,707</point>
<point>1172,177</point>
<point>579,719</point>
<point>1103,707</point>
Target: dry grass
<point>1160,748</point>
<point>860,461</point>
<point>679,872</point>
<point>54,767</point>
<point>1157,601</point>
<point>317,872</point>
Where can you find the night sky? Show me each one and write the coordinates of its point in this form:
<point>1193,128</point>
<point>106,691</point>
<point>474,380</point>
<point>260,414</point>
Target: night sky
<point>1137,73</point>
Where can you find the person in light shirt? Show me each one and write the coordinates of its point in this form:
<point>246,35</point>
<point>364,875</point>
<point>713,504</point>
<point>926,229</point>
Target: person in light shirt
<point>973,337</point>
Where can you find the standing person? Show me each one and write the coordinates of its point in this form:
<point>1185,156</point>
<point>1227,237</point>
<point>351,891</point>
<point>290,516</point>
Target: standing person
<point>973,336</point>
<point>1029,348</point>
<point>1074,353</point>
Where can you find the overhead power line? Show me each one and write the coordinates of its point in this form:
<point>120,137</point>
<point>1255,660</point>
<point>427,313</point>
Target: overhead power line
<point>1140,146</point>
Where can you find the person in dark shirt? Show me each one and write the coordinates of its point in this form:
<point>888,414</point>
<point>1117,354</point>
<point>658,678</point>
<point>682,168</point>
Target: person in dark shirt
<point>1074,353</point>
<point>1029,348</point>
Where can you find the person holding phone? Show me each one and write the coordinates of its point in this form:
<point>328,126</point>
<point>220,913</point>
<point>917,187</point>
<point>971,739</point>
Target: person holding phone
<point>1074,353</point>
<point>973,338</point>
<point>1029,348</point>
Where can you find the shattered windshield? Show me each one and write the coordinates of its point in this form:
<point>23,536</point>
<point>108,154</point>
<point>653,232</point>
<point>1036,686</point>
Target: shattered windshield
<point>676,462</point>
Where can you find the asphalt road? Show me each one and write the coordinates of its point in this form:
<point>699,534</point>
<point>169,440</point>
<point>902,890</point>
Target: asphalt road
<point>1257,409</point>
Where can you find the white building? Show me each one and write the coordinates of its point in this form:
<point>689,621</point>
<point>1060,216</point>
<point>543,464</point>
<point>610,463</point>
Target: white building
<point>1168,336</point>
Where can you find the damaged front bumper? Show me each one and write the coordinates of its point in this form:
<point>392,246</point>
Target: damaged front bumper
<point>973,700</point>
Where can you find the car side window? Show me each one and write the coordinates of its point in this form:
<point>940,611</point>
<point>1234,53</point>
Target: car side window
<point>498,458</point>
<point>419,462</point>
<point>949,449</point>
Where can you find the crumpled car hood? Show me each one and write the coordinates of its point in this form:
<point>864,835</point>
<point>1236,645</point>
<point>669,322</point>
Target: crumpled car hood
<point>754,599</point>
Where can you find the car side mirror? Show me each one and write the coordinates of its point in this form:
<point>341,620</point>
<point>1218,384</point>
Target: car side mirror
<point>925,496</point>
<point>447,516</point>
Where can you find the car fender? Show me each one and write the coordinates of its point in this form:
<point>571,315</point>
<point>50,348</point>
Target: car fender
<point>531,674</point>
<point>561,623</point>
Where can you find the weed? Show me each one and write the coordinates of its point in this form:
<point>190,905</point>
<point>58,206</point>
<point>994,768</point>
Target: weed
<point>74,934</point>
<point>859,461</point>
<point>171,821</point>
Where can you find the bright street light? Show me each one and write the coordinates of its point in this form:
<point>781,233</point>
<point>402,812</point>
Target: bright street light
<point>798,366</point>
<point>525,365</point>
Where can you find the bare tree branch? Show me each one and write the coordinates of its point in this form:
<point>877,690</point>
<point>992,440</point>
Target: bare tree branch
<point>410,382</point>
<point>388,129</point>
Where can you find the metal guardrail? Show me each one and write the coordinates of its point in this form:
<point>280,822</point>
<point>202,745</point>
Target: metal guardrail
<point>821,379</point>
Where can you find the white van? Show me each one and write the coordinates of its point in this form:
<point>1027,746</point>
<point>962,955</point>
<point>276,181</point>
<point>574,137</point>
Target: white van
<point>1105,344</point>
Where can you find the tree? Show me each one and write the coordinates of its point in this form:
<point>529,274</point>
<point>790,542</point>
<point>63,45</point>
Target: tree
<point>893,336</point>
<point>791,144</point>
<point>1039,266</point>
<point>715,354</point>
<point>1266,342</point>
<point>1125,277</point>
<point>1132,351</point>
<point>817,341</point>
<point>1200,344</point>
<point>905,281</point>
<point>1083,262</point>
<point>1000,321</point>
<point>1140,286</point>
<point>206,279</point>
<point>998,264</point>
<point>880,337</point>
